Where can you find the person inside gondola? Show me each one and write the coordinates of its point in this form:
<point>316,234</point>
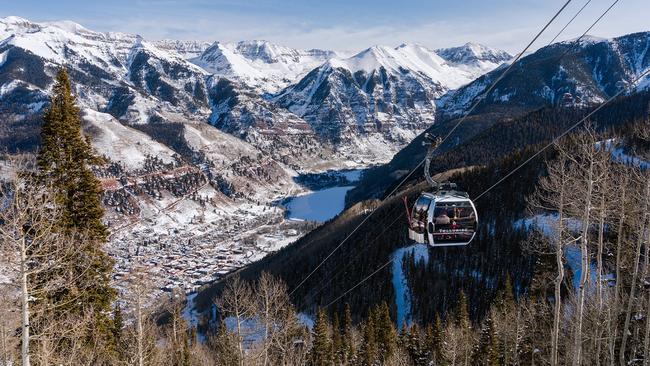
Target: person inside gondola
<point>442,218</point>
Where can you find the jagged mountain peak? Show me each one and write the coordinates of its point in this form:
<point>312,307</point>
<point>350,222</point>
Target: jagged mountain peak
<point>265,66</point>
<point>585,40</point>
<point>564,74</point>
<point>473,53</point>
<point>187,48</point>
<point>408,58</point>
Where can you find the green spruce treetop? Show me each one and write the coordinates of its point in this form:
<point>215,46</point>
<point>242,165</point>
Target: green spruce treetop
<point>321,351</point>
<point>64,161</point>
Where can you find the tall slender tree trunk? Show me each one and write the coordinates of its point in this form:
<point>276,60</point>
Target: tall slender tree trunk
<point>630,301</point>
<point>599,273</point>
<point>646,273</point>
<point>266,331</point>
<point>24,291</point>
<point>577,341</point>
<point>559,258</point>
<point>139,329</point>
<point>240,339</point>
<point>646,339</point>
<point>613,323</point>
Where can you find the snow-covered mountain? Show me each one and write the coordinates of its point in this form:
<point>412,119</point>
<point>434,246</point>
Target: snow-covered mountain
<point>387,92</point>
<point>187,49</point>
<point>265,66</point>
<point>474,58</point>
<point>564,73</point>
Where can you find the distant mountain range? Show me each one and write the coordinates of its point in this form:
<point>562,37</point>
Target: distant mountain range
<point>369,104</point>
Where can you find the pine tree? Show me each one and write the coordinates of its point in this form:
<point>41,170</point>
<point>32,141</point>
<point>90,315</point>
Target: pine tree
<point>118,325</point>
<point>337,340</point>
<point>434,341</point>
<point>347,341</point>
<point>505,299</point>
<point>461,311</point>
<point>368,351</point>
<point>63,163</point>
<point>414,345</point>
<point>224,344</point>
<point>487,350</point>
<point>386,333</point>
<point>321,350</point>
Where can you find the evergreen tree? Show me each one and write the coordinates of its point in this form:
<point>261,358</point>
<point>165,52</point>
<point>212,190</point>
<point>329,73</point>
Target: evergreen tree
<point>118,325</point>
<point>63,163</point>
<point>368,351</point>
<point>347,341</point>
<point>386,334</point>
<point>505,299</point>
<point>487,350</point>
<point>414,345</point>
<point>337,340</point>
<point>224,344</point>
<point>321,350</point>
<point>435,338</point>
<point>461,311</point>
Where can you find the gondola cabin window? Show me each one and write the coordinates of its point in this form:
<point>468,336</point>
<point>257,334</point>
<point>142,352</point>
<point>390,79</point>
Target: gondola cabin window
<point>420,214</point>
<point>454,222</point>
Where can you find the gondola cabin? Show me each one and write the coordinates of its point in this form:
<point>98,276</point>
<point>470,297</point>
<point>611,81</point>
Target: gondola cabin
<point>443,218</point>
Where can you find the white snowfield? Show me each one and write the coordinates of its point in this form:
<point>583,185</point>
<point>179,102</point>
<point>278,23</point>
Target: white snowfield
<point>265,66</point>
<point>419,60</point>
<point>121,143</point>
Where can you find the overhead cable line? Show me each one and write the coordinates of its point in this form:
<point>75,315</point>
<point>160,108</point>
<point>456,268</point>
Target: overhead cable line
<point>555,140</point>
<point>567,24</point>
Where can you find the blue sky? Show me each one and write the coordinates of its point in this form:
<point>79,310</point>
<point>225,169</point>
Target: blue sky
<point>340,24</point>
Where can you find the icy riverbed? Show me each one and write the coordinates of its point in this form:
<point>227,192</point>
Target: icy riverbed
<point>319,205</point>
<point>323,204</point>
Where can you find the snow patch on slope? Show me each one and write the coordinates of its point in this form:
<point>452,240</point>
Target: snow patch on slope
<point>400,284</point>
<point>123,144</point>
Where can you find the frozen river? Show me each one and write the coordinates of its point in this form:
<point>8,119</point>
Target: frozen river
<point>321,205</point>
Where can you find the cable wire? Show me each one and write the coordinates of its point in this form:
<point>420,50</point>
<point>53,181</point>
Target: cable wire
<point>577,41</point>
<point>570,21</point>
<point>351,261</point>
<point>559,137</point>
<point>483,95</point>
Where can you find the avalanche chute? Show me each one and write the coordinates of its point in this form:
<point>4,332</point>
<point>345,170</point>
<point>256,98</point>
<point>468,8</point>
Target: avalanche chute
<point>444,216</point>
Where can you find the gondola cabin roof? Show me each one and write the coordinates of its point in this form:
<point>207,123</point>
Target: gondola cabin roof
<point>446,196</point>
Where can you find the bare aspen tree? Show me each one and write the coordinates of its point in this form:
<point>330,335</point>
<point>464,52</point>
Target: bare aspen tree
<point>644,176</point>
<point>142,350</point>
<point>32,245</point>
<point>642,133</point>
<point>622,197</point>
<point>552,195</point>
<point>603,186</point>
<point>272,300</point>
<point>584,154</point>
<point>278,318</point>
<point>640,220</point>
<point>236,301</point>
